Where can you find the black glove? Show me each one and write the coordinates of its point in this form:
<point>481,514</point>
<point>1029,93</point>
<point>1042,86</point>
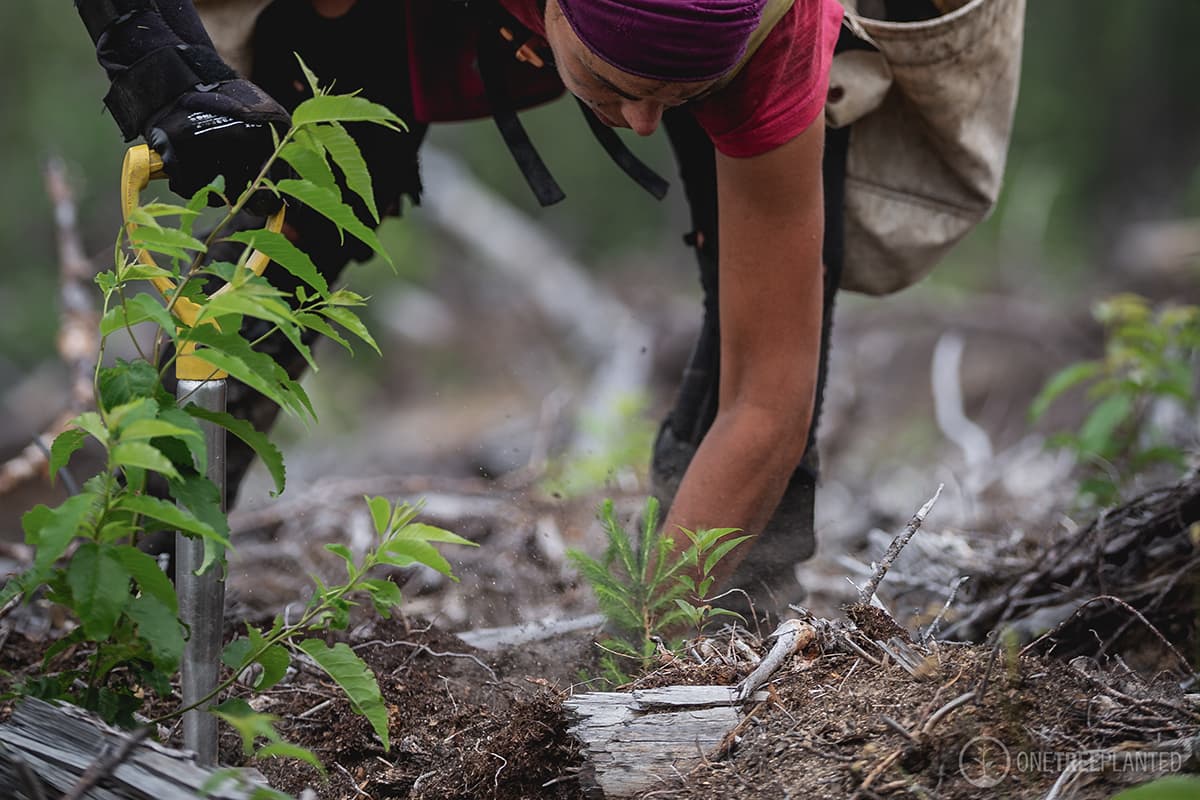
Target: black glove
<point>170,86</point>
<point>225,131</point>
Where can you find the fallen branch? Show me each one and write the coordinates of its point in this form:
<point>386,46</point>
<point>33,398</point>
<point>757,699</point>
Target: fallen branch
<point>868,591</point>
<point>790,636</point>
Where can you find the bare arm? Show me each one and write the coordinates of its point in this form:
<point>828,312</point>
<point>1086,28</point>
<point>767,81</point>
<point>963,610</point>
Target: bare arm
<point>771,300</point>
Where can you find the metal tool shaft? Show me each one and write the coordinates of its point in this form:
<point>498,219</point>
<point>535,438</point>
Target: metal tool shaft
<point>202,597</point>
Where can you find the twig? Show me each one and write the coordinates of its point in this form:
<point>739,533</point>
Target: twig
<point>931,631</point>
<point>421,648</point>
<point>358,790</point>
<point>1157,633</point>
<point>879,769</point>
<point>1067,775</point>
<point>104,766</point>
<point>790,636</point>
<point>937,716</point>
<point>868,591</point>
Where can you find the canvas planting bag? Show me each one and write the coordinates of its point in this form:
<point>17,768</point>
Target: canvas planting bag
<point>932,109</point>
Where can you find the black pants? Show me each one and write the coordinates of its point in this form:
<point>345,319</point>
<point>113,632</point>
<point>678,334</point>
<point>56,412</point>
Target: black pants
<point>360,50</point>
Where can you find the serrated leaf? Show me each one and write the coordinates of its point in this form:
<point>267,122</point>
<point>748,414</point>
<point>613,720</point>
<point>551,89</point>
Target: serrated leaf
<point>126,381</point>
<point>430,533</point>
<point>259,371</point>
<point>149,577</point>
<point>194,442</point>
<point>345,153</point>
<point>381,513</point>
<point>258,442</point>
<point>201,496</point>
<point>137,271</point>
<point>160,629</point>
<point>384,594</point>
<point>142,456</point>
<point>64,446</point>
<point>171,515</point>
<point>356,680</point>
<point>403,553</point>
<point>350,321</point>
<point>316,323</point>
<point>165,241</point>
<point>344,108</point>
<point>140,408</point>
<point>138,309</point>
<point>281,251</point>
<point>330,205</point>
<point>145,429</point>
<point>99,587</point>
<point>307,157</point>
<point>309,76</point>
<point>50,531</point>
<point>1062,381</point>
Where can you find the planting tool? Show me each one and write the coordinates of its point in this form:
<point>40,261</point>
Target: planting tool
<point>201,597</point>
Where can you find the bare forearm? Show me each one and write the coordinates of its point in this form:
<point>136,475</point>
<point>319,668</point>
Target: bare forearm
<point>738,475</point>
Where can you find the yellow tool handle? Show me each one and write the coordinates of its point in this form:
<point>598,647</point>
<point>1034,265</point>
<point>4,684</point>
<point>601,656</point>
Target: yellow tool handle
<point>142,165</point>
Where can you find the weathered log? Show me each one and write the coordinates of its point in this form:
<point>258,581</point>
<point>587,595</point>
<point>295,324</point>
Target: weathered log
<point>46,750</point>
<point>634,740</point>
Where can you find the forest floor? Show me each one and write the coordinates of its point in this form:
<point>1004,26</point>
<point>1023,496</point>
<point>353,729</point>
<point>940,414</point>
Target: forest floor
<point>982,719</point>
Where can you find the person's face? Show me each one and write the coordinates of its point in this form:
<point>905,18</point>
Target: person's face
<point>618,98</point>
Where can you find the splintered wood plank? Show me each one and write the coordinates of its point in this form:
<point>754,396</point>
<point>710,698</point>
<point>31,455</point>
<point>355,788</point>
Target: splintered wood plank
<point>635,740</point>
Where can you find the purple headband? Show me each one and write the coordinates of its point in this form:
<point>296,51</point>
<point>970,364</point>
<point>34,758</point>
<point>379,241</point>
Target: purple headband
<point>667,40</point>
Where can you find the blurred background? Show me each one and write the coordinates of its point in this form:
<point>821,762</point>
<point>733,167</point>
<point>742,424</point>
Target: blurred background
<point>1102,195</point>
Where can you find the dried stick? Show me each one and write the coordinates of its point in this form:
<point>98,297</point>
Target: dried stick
<point>868,591</point>
<point>1187,667</point>
<point>932,630</point>
<point>790,636</point>
<point>77,332</point>
<point>103,767</point>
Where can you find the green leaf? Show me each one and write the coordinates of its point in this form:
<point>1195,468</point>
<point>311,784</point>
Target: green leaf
<point>171,515</point>
<point>150,579</point>
<point>232,353</point>
<point>1061,382</point>
<point>403,553</point>
<point>344,108</point>
<point>195,441</point>
<point>142,456</point>
<point>126,381</point>
<point>166,241</point>
<point>281,251</point>
<point>144,429</point>
<point>65,444</point>
<point>350,321</point>
<point>419,531</point>
<point>100,589</point>
<point>90,422</point>
<point>289,750</point>
<point>385,595</point>
<point>160,629</point>
<point>201,496</point>
<point>329,204</point>
<point>1097,431</point>
<point>381,513</point>
<point>312,321</point>
<point>51,530</point>
<point>262,446</point>
<point>309,76</point>
<point>139,308</point>
<point>307,157</point>
<point>273,659</point>
<point>140,408</point>
<point>250,724</point>
<point>356,680</point>
<point>344,150</point>
<point>1172,787</point>
<point>720,551</point>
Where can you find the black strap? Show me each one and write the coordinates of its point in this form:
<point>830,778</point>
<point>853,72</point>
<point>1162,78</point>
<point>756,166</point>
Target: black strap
<point>98,15</point>
<point>623,157</point>
<point>535,171</point>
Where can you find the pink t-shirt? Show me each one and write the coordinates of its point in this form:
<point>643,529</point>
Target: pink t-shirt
<point>778,93</point>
